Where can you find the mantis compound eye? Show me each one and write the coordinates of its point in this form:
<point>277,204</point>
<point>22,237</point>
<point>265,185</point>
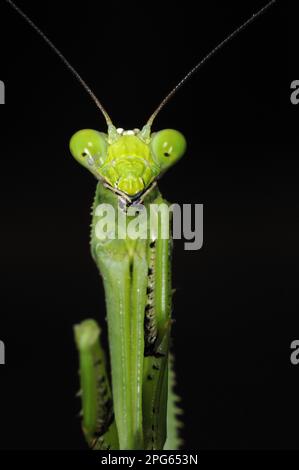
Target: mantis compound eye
<point>89,148</point>
<point>168,147</point>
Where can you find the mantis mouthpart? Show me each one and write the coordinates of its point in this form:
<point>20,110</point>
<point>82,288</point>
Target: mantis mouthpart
<point>137,408</point>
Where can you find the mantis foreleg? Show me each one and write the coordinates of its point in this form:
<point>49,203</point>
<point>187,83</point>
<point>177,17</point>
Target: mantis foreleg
<point>97,410</point>
<point>123,267</point>
<point>155,380</point>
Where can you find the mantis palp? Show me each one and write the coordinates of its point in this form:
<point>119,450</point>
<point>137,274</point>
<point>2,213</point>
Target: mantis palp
<point>137,410</point>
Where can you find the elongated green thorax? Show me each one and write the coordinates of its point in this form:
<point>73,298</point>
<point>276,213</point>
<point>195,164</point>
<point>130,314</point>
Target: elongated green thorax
<point>138,314</point>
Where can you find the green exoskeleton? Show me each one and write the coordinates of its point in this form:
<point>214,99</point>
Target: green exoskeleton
<point>136,409</point>
<point>136,274</point>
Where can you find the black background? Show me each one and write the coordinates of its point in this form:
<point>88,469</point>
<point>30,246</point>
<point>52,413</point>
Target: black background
<point>236,304</point>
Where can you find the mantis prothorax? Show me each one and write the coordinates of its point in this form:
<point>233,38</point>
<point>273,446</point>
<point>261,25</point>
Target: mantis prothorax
<point>137,411</point>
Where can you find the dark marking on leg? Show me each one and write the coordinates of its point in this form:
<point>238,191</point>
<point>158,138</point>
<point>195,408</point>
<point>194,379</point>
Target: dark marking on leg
<point>104,392</point>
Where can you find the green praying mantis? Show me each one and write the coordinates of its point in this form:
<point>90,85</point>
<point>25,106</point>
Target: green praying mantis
<point>132,405</point>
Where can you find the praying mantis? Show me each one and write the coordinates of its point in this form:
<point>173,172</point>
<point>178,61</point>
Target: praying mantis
<point>130,405</point>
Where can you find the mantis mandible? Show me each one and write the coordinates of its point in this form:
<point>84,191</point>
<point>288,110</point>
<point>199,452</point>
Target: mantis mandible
<point>137,410</point>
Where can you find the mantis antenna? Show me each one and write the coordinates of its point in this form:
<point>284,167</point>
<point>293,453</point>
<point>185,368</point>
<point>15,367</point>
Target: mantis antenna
<point>65,61</point>
<point>205,59</point>
<point>173,91</point>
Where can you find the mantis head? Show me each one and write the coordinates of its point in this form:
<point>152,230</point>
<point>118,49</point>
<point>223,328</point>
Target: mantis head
<point>128,161</point>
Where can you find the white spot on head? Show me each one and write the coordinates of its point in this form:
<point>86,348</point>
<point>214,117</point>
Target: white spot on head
<point>121,131</point>
<point>128,133</point>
